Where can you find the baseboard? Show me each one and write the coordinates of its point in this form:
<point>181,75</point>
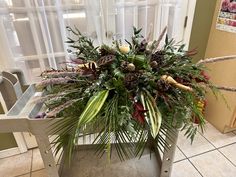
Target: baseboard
<point>9,152</point>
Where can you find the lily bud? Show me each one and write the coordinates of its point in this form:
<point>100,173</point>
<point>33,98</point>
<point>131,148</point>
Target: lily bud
<point>170,80</point>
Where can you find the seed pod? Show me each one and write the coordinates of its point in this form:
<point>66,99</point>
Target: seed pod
<point>153,64</point>
<point>170,80</point>
<point>106,60</point>
<point>131,67</point>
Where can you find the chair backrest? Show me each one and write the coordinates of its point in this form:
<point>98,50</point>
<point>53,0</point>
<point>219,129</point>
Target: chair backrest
<point>20,75</point>
<point>11,87</point>
<point>8,92</point>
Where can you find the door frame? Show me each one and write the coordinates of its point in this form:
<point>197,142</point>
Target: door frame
<point>189,23</point>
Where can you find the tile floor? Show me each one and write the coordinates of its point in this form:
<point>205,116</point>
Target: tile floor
<point>212,154</point>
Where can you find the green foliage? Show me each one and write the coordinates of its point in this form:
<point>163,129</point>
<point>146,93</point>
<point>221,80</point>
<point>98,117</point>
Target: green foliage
<point>122,98</point>
<point>93,107</point>
<point>83,46</point>
<point>153,115</point>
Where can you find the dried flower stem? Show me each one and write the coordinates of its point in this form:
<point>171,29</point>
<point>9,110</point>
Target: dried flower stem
<point>58,109</point>
<point>230,89</point>
<point>150,32</point>
<point>60,74</point>
<point>161,37</point>
<point>212,60</point>
<point>53,81</point>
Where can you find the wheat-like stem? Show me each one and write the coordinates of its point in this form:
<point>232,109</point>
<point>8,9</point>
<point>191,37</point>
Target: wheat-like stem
<point>217,59</point>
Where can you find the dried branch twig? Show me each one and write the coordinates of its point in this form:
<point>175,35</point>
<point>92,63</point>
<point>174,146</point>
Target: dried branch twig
<point>212,60</point>
<point>161,37</point>
<point>230,89</point>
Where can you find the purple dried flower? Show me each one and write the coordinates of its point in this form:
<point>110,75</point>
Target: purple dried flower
<point>60,74</point>
<point>54,81</point>
<point>40,115</point>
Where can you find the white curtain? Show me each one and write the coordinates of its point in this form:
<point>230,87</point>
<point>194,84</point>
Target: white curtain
<point>33,31</point>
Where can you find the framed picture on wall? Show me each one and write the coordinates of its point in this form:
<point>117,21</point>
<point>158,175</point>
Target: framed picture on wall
<point>226,20</point>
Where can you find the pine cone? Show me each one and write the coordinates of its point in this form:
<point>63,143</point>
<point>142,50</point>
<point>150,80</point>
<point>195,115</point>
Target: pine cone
<point>158,57</point>
<point>162,86</point>
<point>106,60</point>
<point>142,46</point>
<point>131,80</point>
<point>126,66</point>
<point>106,50</point>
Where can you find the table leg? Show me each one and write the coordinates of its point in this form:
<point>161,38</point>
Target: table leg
<point>168,156</point>
<point>47,155</point>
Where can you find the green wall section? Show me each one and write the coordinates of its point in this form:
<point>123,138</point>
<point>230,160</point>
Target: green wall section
<point>201,26</point>
<point>7,140</point>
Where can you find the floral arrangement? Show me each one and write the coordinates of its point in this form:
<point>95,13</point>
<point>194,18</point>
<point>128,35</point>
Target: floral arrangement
<point>125,94</point>
<point>228,6</point>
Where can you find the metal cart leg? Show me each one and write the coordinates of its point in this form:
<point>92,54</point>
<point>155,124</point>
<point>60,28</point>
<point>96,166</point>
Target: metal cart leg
<point>168,156</point>
<point>47,155</point>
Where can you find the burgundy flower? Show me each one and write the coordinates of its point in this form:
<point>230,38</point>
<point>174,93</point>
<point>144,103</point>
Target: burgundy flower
<point>138,113</point>
<point>205,75</point>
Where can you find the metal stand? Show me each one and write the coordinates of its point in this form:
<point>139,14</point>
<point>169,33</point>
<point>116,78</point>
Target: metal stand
<point>19,121</point>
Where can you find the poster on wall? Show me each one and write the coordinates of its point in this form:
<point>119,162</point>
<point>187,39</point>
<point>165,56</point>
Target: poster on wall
<point>226,20</point>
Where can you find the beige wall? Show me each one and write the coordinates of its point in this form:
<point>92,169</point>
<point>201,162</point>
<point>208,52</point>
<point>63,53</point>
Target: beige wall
<point>221,43</point>
<point>202,21</point>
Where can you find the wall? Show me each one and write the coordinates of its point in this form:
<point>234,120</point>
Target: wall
<point>7,140</point>
<point>220,42</point>
<point>201,26</point>
<point>222,73</point>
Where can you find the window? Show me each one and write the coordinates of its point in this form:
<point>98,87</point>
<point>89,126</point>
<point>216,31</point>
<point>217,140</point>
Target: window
<point>35,29</point>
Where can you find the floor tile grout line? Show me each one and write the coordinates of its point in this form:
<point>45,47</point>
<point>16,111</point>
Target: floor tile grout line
<point>22,175</point>
<point>32,158</point>
<point>199,153</point>
<point>226,157</point>
<point>226,145</point>
<point>187,158</point>
<point>195,167</point>
<point>220,151</point>
<point>13,155</point>
<point>180,160</point>
<point>202,153</point>
<point>182,151</point>
<point>38,169</point>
